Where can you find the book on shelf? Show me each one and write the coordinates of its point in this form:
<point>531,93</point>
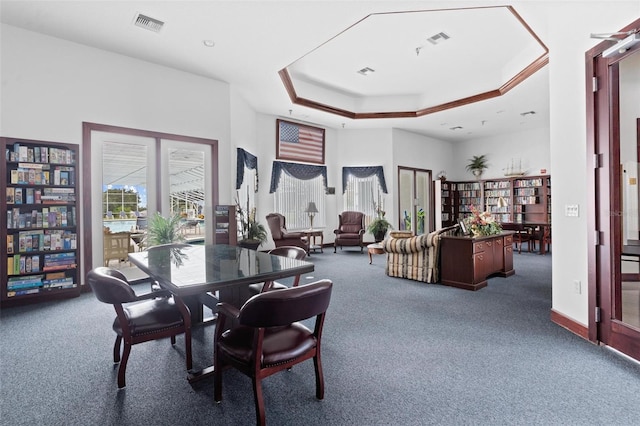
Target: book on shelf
<point>11,193</point>
<point>17,196</point>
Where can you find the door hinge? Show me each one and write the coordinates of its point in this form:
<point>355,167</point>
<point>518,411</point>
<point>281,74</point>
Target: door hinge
<point>596,238</point>
<point>596,161</point>
<point>594,84</point>
<point>597,314</point>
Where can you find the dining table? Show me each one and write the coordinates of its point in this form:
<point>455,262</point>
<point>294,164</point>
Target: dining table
<point>213,272</point>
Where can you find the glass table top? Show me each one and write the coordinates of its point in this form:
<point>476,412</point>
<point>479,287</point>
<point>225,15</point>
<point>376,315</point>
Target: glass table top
<point>190,269</point>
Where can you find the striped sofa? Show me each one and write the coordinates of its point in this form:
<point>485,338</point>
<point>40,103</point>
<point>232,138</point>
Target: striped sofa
<point>416,258</point>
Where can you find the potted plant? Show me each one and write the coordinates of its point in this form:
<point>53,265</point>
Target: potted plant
<point>164,230</point>
<point>477,164</point>
<point>253,232</point>
<point>379,227</point>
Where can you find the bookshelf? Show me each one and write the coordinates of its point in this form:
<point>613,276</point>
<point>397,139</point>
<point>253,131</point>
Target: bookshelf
<point>40,244</point>
<point>467,194</point>
<point>522,199</point>
<point>226,225</point>
<point>447,210</point>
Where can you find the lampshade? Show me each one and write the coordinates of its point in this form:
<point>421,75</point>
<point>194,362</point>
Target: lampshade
<point>311,208</point>
<point>502,202</point>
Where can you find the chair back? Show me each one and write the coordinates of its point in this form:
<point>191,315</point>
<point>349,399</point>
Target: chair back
<point>284,307</point>
<point>351,222</point>
<point>110,286</point>
<point>292,252</point>
<point>277,225</point>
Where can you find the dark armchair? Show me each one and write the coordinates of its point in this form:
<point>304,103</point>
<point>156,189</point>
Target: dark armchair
<point>350,230</point>
<point>281,237</point>
<point>269,337</point>
<point>153,316</point>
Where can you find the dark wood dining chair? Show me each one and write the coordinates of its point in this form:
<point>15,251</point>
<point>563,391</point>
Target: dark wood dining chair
<point>270,338</point>
<point>139,318</point>
<point>292,252</point>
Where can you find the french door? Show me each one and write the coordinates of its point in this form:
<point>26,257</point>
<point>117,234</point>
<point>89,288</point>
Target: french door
<point>614,136</point>
<point>131,174</point>
<point>415,200</point>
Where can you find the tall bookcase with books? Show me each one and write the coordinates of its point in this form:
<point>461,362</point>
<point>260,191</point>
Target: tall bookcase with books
<point>467,194</point>
<point>40,244</point>
<point>522,199</point>
<point>447,211</point>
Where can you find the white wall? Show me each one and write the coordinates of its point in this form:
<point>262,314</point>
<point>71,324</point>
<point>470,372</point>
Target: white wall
<point>531,147</point>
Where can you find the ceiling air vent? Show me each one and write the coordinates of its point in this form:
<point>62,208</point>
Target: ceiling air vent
<point>148,23</point>
<point>438,38</point>
<point>366,71</point>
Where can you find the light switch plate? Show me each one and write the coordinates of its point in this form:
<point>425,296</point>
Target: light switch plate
<point>571,210</point>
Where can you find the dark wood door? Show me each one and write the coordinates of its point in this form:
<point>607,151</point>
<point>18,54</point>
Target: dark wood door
<point>609,319</point>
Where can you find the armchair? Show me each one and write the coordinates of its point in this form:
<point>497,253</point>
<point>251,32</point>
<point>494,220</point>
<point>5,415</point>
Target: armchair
<point>350,230</point>
<point>415,258</point>
<point>281,237</point>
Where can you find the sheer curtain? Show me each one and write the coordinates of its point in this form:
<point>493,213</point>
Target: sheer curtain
<point>362,194</point>
<point>293,196</point>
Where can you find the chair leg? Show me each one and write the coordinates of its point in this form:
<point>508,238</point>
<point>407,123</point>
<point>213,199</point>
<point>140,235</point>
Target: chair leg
<point>257,395</point>
<point>173,339</point>
<point>123,365</point>
<point>116,349</point>
<point>317,363</point>
<point>187,348</point>
<point>217,379</point>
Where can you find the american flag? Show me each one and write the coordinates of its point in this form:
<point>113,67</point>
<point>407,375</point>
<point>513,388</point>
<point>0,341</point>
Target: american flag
<point>298,142</point>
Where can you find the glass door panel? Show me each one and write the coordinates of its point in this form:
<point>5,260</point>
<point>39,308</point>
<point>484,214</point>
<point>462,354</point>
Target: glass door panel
<point>415,200</point>
<point>187,189</point>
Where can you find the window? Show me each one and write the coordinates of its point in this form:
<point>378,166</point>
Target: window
<point>360,195</point>
<point>293,196</point>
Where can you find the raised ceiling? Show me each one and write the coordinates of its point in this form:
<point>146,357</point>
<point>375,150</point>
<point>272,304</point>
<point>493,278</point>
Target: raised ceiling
<point>436,62</point>
<point>322,44</point>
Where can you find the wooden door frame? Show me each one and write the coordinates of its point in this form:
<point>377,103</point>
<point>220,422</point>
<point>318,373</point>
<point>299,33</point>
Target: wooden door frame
<point>87,129</point>
<point>432,221</point>
<point>603,218</point>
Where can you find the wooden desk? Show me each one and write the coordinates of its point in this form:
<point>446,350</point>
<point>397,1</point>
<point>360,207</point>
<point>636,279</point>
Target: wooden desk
<point>192,271</point>
<point>311,235</point>
<point>467,262</point>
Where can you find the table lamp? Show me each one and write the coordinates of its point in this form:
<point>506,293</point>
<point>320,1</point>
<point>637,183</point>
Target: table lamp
<point>312,210</point>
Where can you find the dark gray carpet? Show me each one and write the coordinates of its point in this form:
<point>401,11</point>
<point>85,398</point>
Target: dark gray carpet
<point>395,352</point>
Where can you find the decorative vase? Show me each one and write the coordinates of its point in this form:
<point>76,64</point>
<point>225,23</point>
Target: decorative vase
<point>379,236</point>
<point>477,173</point>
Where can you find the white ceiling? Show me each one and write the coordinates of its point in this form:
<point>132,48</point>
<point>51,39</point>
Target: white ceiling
<point>322,44</point>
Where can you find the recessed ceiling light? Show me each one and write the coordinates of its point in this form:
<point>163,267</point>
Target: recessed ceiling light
<point>455,128</point>
<point>366,71</point>
<point>209,43</point>
<point>524,114</point>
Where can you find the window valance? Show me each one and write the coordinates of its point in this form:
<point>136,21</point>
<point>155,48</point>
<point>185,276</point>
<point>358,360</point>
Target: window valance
<point>248,160</point>
<point>298,171</point>
<point>363,172</point>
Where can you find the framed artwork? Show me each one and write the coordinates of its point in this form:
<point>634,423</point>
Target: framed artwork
<point>299,142</point>
<point>463,227</point>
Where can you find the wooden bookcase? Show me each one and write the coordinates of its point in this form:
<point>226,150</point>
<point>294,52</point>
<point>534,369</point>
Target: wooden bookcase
<point>39,245</point>
<point>447,210</point>
<point>522,199</point>
<point>226,225</point>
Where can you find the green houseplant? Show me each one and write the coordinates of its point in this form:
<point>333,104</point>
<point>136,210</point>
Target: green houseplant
<point>477,164</point>
<point>164,230</point>
<point>379,227</point>
<point>253,232</point>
